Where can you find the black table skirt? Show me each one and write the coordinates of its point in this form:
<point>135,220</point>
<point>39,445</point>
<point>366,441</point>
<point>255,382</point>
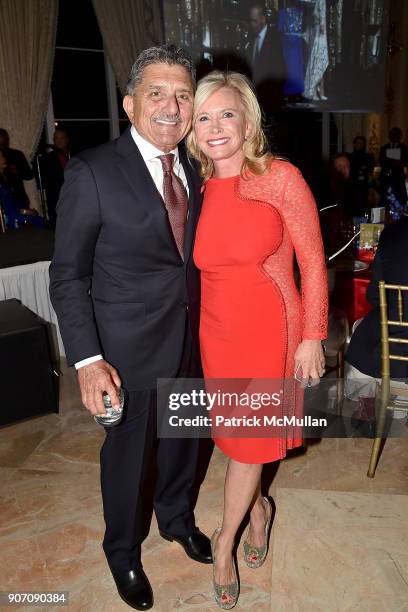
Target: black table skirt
<point>25,245</point>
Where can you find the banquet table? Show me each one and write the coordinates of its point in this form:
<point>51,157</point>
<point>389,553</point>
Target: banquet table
<point>25,246</point>
<point>30,285</point>
<point>24,262</point>
<point>349,293</point>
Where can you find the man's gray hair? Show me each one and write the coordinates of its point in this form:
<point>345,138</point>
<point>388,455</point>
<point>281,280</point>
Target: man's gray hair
<point>166,54</point>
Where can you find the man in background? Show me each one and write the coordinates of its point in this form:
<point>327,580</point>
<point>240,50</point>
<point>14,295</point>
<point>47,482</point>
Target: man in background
<point>393,160</point>
<point>265,57</point>
<point>361,169</point>
<point>52,167</point>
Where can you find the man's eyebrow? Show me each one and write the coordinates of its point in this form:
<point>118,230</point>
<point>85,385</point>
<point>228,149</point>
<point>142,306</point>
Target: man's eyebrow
<point>161,86</point>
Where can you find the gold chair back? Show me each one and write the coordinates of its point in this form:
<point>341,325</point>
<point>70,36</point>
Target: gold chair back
<point>387,388</point>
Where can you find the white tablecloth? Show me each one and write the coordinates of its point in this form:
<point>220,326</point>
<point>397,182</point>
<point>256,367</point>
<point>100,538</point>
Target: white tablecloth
<point>30,284</point>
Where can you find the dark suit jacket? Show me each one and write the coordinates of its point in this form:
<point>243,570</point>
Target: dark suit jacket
<point>385,161</point>
<point>393,171</point>
<point>118,283</point>
<point>390,265</point>
<point>269,73</point>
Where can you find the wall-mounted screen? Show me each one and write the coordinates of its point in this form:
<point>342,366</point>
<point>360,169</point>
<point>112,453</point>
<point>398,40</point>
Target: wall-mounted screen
<point>307,54</point>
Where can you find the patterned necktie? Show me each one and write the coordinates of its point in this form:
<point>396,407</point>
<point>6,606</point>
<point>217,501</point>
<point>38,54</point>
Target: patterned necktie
<point>175,200</point>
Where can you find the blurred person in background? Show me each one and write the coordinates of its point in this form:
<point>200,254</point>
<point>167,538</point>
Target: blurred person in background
<point>393,160</point>
<point>53,166</point>
<point>335,194</point>
<point>363,357</point>
<point>14,212</point>
<point>265,57</point>
<point>318,61</point>
<point>361,170</point>
<point>17,166</point>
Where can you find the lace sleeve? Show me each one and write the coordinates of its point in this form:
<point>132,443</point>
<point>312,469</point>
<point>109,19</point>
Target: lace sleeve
<point>299,212</point>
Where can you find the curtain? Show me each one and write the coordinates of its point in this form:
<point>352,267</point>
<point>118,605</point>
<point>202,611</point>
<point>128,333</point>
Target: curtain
<point>27,45</point>
<point>127,27</point>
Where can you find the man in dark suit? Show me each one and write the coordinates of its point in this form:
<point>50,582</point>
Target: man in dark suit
<point>265,56</point>
<point>126,293</point>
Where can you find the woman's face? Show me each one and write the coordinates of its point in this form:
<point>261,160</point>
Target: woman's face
<point>220,128</point>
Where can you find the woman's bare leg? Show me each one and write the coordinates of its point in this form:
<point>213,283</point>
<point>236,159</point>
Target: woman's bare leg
<point>257,519</point>
<point>242,482</point>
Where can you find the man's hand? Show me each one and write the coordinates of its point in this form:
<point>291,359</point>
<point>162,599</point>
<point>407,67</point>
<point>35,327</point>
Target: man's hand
<point>94,379</point>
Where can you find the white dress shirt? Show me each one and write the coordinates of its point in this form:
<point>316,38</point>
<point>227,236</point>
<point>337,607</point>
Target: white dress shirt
<point>150,156</point>
<point>258,42</point>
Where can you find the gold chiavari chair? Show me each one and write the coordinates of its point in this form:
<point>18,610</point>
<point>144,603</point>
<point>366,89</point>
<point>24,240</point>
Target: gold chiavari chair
<point>388,387</point>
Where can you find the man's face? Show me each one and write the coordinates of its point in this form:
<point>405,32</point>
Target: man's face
<point>359,144</point>
<point>256,20</point>
<point>395,136</point>
<point>61,140</point>
<point>161,107</point>
<point>342,165</point>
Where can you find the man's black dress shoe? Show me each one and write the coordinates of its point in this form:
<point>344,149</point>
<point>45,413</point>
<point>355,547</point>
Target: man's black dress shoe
<point>134,588</point>
<point>196,545</point>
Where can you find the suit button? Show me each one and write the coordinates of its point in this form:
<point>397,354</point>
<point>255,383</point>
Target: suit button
<point>184,305</point>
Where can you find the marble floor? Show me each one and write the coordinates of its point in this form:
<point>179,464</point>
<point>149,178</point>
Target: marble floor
<point>339,539</point>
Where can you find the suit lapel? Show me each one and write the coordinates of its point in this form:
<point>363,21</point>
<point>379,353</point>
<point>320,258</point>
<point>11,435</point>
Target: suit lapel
<point>136,173</point>
<point>138,177</point>
<point>194,201</point>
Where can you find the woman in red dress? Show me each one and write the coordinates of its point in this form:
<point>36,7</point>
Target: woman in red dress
<point>257,212</point>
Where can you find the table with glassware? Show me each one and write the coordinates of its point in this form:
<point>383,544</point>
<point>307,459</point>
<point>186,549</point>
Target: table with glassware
<point>353,272</point>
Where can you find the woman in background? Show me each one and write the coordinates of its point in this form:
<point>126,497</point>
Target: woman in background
<point>15,214</point>
<point>257,211</point>
<point>319,56</point>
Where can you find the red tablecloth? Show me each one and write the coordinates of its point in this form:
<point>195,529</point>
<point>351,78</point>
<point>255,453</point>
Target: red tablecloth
<point>350,294</point>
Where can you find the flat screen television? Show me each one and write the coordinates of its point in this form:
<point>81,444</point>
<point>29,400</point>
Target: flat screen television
<point>323,55</point>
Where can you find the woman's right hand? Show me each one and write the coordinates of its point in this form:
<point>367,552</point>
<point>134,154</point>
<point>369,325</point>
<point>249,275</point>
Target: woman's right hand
<point>309,358</point>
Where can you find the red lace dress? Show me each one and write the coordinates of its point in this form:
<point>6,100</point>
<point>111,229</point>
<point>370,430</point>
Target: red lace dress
<point>252,314</point>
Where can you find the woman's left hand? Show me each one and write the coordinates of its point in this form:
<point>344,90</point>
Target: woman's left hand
<point>310,360</point>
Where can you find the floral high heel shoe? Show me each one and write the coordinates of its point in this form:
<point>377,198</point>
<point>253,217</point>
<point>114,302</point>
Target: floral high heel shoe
<point>226,596</point>
<point>255,555</point>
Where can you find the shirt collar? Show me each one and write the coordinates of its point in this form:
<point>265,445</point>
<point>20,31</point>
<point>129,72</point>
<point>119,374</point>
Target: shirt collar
<point>147,150</point>
<point>262,34</point>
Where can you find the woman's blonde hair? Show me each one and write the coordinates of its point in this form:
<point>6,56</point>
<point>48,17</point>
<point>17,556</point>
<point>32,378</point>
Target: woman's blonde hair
<point>255,147</point>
